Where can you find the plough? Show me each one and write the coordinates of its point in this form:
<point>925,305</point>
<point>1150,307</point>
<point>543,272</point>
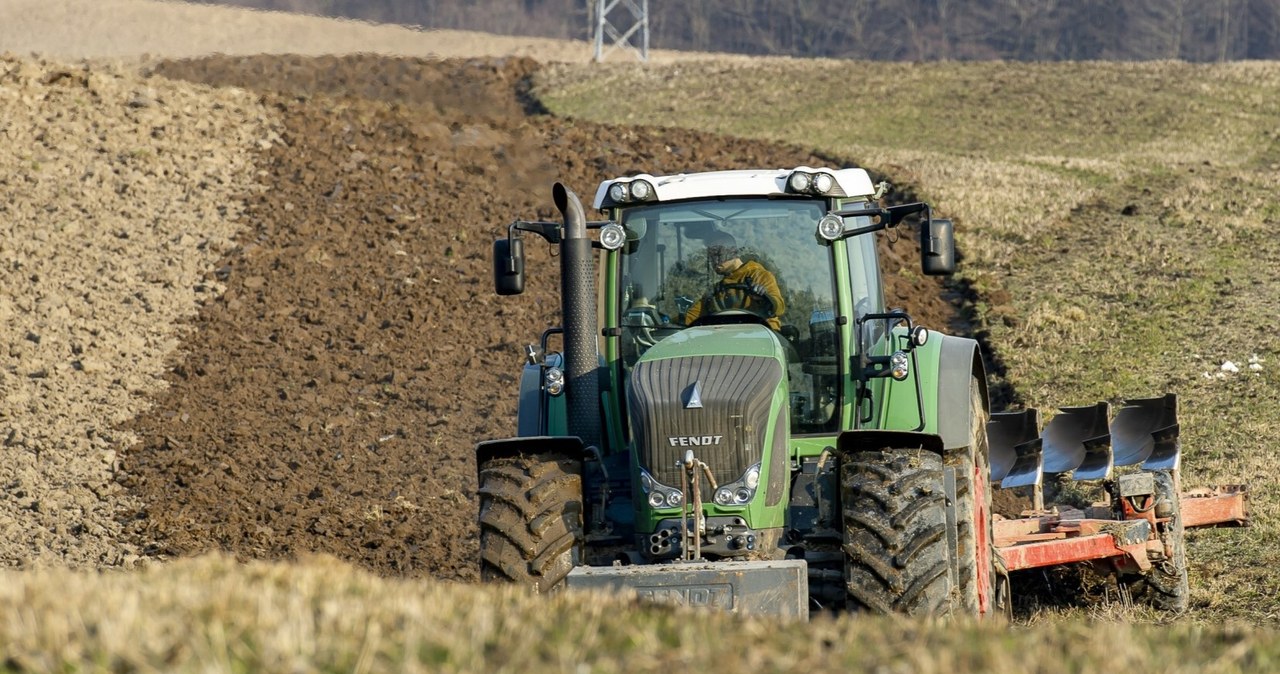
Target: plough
<point>1137,529</point>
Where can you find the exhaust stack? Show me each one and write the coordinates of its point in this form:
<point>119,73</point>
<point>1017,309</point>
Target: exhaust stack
<point>578,309</point>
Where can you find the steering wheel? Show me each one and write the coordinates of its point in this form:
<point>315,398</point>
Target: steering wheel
<point>715,311</point>
<point>762,305</point>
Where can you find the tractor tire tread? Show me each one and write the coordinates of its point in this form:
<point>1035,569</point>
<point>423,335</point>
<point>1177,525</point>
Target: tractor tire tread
<point>895,524</point>
<point>530,520</point>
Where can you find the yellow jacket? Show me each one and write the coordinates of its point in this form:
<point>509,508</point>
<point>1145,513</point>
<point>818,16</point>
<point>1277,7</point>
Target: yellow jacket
<point>731,293</point>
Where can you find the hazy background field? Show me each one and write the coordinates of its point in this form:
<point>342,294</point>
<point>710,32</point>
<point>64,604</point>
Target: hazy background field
<point>1117,227</point>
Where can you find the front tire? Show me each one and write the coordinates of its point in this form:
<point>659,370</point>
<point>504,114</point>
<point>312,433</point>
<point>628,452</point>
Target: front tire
<point>530,520</point>
<point>895,521</point>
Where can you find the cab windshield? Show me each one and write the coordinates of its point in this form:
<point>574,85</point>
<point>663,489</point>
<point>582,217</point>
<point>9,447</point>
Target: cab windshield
<point>736,261</point>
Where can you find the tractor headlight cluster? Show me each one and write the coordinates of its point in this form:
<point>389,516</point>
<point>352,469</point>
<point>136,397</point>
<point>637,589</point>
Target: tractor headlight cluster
<point>813,182</point>
<point>622,192</point>
<point>741,492</point>
<point>553,380</point>
<point>659,495</point>
<point>899,365</point>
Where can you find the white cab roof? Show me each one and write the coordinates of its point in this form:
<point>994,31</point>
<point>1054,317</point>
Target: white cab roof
<point>742,183</point>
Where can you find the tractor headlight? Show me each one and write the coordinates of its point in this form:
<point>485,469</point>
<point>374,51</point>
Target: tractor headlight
<point>799,181</point>
<point>899,365</point>
<point>624,191</point>
<point>659,495</point>
<point>741,492</point>
<point>641,190</point>
<point>820,183</point>
<point>830,227</point>
<point>553,380</point>
<point>612,236</point>
<point>618,192</point>
<point>823,182</point>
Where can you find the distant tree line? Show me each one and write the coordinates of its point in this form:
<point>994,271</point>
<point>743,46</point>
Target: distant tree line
<point>917,30</point>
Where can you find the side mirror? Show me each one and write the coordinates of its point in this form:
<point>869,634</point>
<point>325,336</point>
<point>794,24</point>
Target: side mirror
<point>508,266</point>
<point>937,247</point>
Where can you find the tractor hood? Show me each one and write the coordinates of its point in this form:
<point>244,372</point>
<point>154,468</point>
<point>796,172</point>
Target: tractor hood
<point>739,340</point>
<point>713,390</point>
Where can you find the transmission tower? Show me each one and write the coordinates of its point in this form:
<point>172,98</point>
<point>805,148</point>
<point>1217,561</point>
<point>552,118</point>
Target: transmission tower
<point>615,28</point>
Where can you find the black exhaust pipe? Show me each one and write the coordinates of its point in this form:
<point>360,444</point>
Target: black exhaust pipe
<point>578,309</point>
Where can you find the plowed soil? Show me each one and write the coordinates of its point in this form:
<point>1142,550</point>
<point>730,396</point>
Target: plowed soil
<point>329,399</point>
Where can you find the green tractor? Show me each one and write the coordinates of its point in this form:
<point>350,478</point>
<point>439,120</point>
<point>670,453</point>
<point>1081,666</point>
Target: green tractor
<point>736,419</point>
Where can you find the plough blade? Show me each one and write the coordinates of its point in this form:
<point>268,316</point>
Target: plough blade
<point>1028,471</point>
<point>1017,452</point>
<point>1084,441</point>
<point>1005,432</point>
<point>1028,467</point>
<point>1079,440</point>
<point>1167,454</point>
<point>1097,462</point>
<point>1136,427</point>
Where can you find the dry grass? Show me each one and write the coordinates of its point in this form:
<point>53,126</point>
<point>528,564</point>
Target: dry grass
<point>214,615</point>
<point>1116,220</point>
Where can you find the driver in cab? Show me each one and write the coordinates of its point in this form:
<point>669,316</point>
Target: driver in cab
<point>743,285</point>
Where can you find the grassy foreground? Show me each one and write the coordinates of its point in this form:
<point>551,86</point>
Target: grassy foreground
<point>1116,220</point>
<point>213,614</point>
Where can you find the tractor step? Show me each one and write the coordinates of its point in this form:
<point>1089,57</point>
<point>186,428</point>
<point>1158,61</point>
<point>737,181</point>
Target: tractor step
<point>778,588</point>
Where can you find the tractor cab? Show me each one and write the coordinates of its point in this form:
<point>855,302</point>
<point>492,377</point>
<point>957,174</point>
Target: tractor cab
<point>744,261</point>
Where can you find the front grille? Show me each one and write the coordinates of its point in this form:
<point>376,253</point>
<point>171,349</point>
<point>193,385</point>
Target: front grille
<point>735,393</point>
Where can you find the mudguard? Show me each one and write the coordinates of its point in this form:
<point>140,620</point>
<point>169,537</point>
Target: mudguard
<point>529,409</point>
<point>959,361</point>
<point>567,445</point>
<point>871,439</point>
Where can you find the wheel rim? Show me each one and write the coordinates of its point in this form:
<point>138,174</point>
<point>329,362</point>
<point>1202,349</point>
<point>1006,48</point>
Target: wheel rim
<point>982,545</point>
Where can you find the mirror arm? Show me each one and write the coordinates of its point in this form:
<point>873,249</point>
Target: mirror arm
<point>549,231</point>
<point>888,217</point>
<point>865,230</point>
<point>900,212</point>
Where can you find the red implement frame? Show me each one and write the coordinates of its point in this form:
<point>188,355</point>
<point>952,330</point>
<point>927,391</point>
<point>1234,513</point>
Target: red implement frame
<point>1053,540</point>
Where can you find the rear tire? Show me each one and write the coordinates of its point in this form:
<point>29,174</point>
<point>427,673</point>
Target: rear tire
<point>530,520</point>
<point>1165,586</point>
<point>974,556</point>
<point>895,521</point>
